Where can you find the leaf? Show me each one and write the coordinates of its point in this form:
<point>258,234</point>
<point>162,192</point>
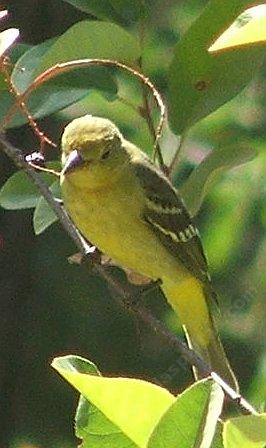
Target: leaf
<point>130,10</point>
<point>120,11</point>
<point>218,436</point>
<point>25,67</point>
<point>202,179</point>
<point>201,81</point>
<point>43,215</point>
<point>60,91</point>
<point>19,192</point>
<point>134,406</point>
<point>191,420</point>
<point>92,39</point>
<point>91,425</point>
<point>249,28</point>
<point>7,38</point>
<point>96,430</point>
<point>101,9</point>
<point>246,432</point>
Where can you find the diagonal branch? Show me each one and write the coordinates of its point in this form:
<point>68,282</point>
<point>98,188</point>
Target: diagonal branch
<point>123,295</point>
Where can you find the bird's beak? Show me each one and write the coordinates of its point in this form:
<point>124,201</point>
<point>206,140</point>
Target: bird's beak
<point>73,161</point>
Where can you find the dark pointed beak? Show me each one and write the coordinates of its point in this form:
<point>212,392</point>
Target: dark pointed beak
<point>73,161</point>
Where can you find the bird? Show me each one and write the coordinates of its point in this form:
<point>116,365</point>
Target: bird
<point>124,204</point>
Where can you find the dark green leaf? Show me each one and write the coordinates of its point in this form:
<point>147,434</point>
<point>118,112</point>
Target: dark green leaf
<point>101,9</point>
<point>19,192</point>
<point>44,216</point>
<point>62,90</point>
<point>130,10</point>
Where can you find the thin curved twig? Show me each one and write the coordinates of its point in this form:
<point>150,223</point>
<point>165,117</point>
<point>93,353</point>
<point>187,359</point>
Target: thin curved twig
<point>65,67</point>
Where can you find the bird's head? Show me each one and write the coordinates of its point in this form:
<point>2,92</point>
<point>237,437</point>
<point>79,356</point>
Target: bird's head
<point>92,151</point>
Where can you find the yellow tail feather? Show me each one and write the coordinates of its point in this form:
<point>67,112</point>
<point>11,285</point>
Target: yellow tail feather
<point>191,303</point>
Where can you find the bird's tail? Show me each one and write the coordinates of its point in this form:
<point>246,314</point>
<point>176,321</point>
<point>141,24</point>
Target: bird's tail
<point>192,304</point>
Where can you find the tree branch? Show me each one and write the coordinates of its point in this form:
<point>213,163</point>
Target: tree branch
<point>123,295</point>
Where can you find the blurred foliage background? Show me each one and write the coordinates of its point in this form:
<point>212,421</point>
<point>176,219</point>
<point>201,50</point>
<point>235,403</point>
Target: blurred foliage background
<point>49,307</point>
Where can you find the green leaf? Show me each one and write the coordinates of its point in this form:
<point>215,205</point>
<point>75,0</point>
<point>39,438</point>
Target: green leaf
<point>130,10</point>
<point>61,91</point>
<point>246,432</point>
<point>202,179</point>
<point>25,67</point>
<point>200,81</point>
<point>92,39</point>
<point>7,38</point>
<point>120,11</point>
<point>96,430</point>
<point>19,192</point>
<point>249,28</point>
<point>218,436</point>
<point>15,52</point>
<point>101,9</point>
<point>91,425</point>
<point>191,420</point>
<point>134,406</point>
<point>43,215</point>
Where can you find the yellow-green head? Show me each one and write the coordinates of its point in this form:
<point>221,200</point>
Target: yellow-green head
<point>93,150</point>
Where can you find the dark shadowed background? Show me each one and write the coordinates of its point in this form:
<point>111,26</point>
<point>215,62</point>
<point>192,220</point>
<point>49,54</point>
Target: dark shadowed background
<point>49,307</point>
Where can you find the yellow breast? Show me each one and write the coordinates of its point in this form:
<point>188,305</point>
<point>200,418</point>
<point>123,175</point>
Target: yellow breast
<point>111,219</point>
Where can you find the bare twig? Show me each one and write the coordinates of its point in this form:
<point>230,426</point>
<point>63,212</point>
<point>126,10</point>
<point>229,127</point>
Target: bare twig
<point>123,294</point>
<point>145,109</point>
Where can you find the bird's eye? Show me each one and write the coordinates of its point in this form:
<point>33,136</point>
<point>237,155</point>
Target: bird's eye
<point>105,155</point>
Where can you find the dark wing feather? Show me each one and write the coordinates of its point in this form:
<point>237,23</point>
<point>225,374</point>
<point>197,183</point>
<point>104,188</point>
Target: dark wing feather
<point>168,217</point>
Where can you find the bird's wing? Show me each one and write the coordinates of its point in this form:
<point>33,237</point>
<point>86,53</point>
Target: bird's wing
<point>169,219</point>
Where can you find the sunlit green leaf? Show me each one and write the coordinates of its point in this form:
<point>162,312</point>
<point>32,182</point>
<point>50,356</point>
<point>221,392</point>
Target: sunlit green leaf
<point>248,431</point>
<point>135,406</point>
<point>191,420</point>
<point>249,28</point>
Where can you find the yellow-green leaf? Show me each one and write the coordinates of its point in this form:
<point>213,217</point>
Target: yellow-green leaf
<point>245,432</point>
<point>250,28</point>
<point>135,406</point>
<point>191,421</point>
